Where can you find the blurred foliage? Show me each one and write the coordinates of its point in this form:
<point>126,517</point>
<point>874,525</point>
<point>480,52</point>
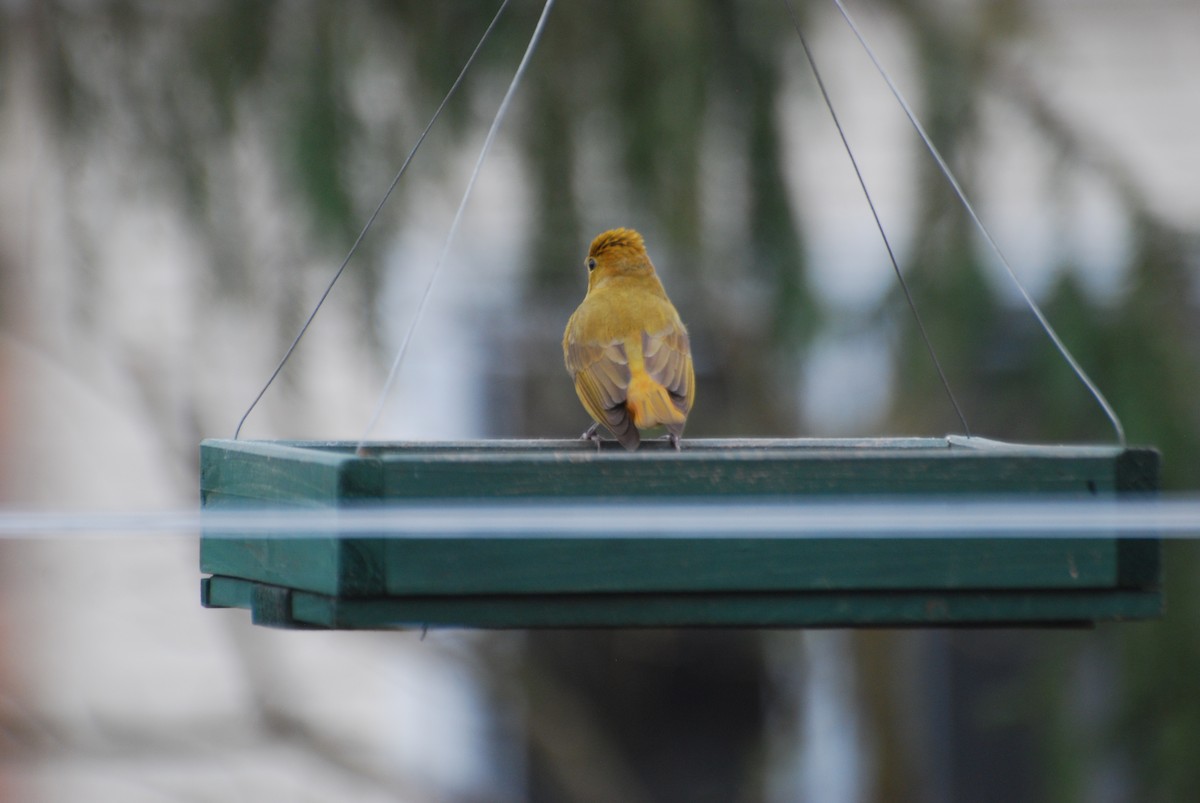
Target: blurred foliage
<point>1143,350</point>
<point>643,93</point>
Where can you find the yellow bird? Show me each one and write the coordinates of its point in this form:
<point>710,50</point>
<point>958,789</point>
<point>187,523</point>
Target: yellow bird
<point>626,347</point>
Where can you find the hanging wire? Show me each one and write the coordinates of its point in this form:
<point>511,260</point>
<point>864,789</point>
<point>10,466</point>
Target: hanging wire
<point>371,221</point>
<point>878,223</point>
<point>962,197</point>
<point>462,205</point>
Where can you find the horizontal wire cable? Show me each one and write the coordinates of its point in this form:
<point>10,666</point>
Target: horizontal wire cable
<point>873,518</point>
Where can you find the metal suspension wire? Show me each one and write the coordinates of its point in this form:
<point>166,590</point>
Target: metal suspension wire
<point>1082,375</point>
<point>912,305</point>
<point>371,220</point>
<point>437,268</point>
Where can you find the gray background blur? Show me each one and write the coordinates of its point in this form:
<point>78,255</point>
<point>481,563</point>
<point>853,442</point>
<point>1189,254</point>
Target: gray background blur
<point>179,180</point>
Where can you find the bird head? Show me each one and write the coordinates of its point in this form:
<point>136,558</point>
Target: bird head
<point>619,252</point>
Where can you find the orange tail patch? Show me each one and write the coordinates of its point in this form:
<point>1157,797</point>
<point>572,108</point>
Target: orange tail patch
<point>650,405</point>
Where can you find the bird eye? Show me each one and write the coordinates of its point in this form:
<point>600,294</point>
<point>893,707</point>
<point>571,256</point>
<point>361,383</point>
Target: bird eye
<point>591,263</point>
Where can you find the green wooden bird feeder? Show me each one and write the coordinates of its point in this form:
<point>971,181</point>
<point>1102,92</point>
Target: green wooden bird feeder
<point>567,571</point>
<point>737,570</point>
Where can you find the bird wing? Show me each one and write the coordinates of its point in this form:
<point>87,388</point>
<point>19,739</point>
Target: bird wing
<point>668,358</point>
<point>601,372</point>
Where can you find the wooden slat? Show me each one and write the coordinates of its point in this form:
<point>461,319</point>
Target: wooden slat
<point>572,564</point>
<point>731,610</point>
<point>821,609</point>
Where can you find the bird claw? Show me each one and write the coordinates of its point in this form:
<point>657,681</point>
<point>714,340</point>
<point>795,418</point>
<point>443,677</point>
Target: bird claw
<point>674,440</point>
<point>592,434</point>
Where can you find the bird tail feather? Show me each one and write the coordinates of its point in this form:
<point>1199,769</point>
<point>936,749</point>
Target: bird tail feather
<point>650,404</point>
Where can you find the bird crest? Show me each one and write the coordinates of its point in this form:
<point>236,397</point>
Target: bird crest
<point>616,241</point>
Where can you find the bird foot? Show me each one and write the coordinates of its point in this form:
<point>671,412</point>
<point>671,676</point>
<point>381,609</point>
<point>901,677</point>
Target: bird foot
<point>592,434</point>
<point>674,440</point>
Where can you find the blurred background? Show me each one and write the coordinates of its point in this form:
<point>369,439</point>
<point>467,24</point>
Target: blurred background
<point>178,181</point>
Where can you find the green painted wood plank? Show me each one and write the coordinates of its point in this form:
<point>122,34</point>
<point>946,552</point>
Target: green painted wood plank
<point>309,477</point>
<point>827,609</point>
<point>729,610</point>
<point>325,565</point>
<point>406,566</point>
<point>226,592</point>
<point>740,475</point>
<point>329,565</point>
<point>332,474</point>
<point>548,565</point>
